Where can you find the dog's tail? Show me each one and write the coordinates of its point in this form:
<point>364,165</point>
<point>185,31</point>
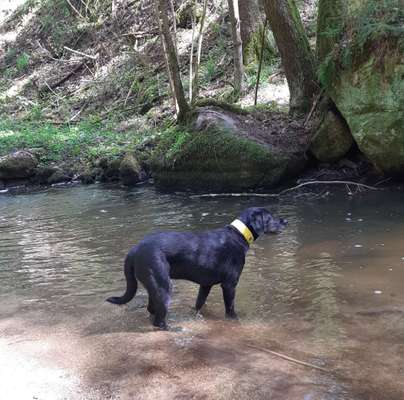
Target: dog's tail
<point>131,285</point>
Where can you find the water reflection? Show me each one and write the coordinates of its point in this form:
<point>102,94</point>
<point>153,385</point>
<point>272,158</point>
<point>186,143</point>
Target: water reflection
<point>326,287</point>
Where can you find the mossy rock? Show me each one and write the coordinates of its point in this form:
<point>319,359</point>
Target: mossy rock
<point>130,171</point>
<point>185,11</point>
<point>332,140</point>
<point>18,165</point>
<point>371,98</point>
<point>364,75</point>
<point>216,156</point>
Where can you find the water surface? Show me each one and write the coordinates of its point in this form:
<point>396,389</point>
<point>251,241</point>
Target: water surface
<point>328,291</point>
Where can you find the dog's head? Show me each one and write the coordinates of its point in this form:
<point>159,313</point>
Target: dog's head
<point>262,221</point>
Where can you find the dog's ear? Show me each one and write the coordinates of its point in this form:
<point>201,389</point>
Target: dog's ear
<point>258,221</point>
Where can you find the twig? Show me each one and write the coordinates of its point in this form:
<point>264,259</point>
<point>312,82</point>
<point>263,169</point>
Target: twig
<point>260,64</point>
<point>75,10</point>
<point>81,53</point>
<point>141,34</point>
<point>360,185</point>
<point>287,358</point>
<point>313,107</point>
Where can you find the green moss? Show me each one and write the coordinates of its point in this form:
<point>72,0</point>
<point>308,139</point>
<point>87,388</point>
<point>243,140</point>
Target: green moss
<point>371,98</point>
<point>252,49</point>
<point>214,159</point>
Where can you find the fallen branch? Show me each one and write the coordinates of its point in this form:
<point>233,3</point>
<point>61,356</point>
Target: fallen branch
<point>313,107</point>
<point>141,34</point>
<point>287,358</point>
<point>61,81</point>
<point>361,185</point>
<point>81,53</point>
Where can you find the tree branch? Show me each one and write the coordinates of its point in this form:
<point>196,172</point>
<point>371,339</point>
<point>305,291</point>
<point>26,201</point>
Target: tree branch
<point>361,185</point>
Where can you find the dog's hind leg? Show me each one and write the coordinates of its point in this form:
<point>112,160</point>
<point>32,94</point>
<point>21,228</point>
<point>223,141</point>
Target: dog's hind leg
<point>229,293</point>
<point>150,307</point>
<point>202,296</point>
<point>158,286</point>
<point>131,284</point>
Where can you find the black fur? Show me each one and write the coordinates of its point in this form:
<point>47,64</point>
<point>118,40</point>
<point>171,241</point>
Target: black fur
<point>206,258</point>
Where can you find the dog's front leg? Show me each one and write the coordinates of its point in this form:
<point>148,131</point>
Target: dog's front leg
<point>229,293</point>
<point>202,296</point>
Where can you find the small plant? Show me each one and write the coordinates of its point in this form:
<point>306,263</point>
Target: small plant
<point>22,62</point>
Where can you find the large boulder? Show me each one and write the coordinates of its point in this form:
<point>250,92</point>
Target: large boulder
<point>17,165</point>
<point>219,154</point>
<point>332,140</point>
<point>363,73</point>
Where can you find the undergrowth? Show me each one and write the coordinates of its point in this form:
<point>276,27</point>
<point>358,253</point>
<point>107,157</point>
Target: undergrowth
<point>377,23</point>
<point>88,140</point>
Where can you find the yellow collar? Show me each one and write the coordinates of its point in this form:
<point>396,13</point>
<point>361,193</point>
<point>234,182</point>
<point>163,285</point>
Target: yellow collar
<point>243,229</point>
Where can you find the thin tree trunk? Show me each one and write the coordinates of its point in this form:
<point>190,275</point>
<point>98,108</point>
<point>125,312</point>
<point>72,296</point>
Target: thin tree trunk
<point>195,89</point>
<point>174,25</point>
<point>170,55</point>
<point>260,64</point>
<point>191,55</point>
<point>237,46</point>
<point>297,57</point>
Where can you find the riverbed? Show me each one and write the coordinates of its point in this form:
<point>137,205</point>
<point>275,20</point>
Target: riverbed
<point>321,305</point>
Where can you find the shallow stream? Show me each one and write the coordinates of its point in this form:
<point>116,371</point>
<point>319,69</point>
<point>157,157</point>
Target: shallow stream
<point>328,291</point>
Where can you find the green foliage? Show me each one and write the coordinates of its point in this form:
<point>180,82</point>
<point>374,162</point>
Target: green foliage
<point>251,73</point>
<point>209,69</point>
<point>377,19</point>
<point>172,142</point>
<point>22,62</point>
<point>375,24</point>
<point>327,70</point>
<point>87,140</point>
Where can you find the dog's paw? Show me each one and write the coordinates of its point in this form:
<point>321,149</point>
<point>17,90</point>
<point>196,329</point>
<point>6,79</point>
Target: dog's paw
<point>232,316</point>
<point>161,325</point>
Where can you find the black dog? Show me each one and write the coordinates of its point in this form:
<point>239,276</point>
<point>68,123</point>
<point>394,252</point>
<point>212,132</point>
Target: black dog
<point>206,258</point>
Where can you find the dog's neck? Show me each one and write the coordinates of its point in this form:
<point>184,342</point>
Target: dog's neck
<point>246,231</point>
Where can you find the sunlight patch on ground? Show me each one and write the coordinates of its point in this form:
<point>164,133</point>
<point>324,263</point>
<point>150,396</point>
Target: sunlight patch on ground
<point>8,6</point>
<point>267,93</point>
<point>6,9</point>
<point>16,88</point>
<point>25,377</point>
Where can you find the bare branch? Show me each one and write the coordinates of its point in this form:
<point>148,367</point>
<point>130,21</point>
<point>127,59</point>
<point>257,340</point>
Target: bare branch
<point>359,185</point>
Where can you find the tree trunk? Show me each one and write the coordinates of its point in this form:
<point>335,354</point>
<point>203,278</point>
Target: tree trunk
<point>238,47</point>
<point>195,88</point>
<point>251,25</point>
<point>297,57</point>
<point>170,55</point>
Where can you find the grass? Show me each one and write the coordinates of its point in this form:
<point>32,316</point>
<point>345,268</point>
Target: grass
<point>88,140</point>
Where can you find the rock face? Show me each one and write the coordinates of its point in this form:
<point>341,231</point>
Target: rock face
<point>219,154</point>
<point>371,98</point>
<point>18,165</point>
<point>365,78</point>
<point>332,140</point>
<point>130,171</point>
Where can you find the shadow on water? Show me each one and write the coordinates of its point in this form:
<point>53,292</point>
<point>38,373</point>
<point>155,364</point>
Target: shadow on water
<point>327,291</point>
